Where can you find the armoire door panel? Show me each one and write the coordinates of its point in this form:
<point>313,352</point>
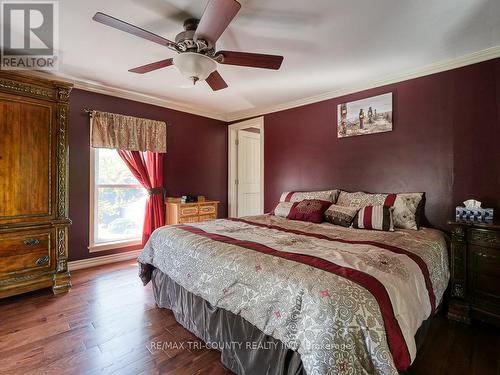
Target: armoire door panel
<point>33,184</point>
<point>26,161</point>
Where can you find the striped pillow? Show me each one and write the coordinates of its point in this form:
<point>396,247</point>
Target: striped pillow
<point>374,217</point>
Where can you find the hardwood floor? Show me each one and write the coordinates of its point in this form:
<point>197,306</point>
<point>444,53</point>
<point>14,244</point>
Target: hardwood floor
<point>108,322</point>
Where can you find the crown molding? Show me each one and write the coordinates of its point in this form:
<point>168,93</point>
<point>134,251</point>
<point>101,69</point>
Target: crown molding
<point>148,99</point>
<point>126,94</point>
<point>473,58</point>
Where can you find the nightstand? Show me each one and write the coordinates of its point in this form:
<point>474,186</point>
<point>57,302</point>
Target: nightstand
<point>475,272</point>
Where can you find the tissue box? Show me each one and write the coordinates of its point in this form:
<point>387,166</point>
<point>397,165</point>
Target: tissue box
<point>480,215</point>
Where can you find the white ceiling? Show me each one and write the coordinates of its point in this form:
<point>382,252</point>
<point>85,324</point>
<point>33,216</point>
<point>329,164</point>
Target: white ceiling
<point>327,44</point>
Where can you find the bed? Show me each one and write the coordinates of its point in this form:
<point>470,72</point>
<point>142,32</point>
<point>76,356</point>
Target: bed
<point>280,296</point>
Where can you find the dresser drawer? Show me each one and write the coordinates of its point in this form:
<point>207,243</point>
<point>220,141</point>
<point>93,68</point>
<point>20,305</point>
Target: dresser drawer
<point>483,237</point>
<point>188,219</point>
<point>488,305</point>
<point>207,209</point>
<point>208,217</point>
<point>484,286</point>
<point>25,251</point>
<point>484,277</point>
<point>193,212</point>
<point>484,260</point>
<point>188,210</point>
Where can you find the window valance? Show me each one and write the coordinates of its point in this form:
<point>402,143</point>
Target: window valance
<point>111,130</point>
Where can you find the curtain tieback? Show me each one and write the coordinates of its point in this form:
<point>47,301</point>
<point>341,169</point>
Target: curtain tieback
<point>153,191</point>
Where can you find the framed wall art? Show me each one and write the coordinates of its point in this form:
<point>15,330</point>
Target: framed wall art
<point>365,116</point>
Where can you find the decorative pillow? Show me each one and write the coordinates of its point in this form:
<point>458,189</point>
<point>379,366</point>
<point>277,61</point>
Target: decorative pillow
<point>406,208</point>
<point>340,215</point>
<point>311,210</point>
<point>360,199</point>
<point>297,196</point>
<point>283,209</point>
<point>374,217</point>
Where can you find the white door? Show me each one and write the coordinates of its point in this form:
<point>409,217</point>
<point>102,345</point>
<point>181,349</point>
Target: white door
<point>248,167</point>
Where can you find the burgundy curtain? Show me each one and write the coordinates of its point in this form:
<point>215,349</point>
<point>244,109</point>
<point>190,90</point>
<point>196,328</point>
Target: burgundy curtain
<point>147,167</point>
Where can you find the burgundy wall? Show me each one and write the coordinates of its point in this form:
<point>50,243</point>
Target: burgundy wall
<point>196,161</point>
<point>477,134</point>
<point>444,142</point>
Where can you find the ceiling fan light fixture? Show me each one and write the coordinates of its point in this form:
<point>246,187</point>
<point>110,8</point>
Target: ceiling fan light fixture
<point>194,66</point>
<point>197,57</point>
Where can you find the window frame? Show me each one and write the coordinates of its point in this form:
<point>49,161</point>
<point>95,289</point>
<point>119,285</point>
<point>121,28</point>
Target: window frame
<point>110,245</point>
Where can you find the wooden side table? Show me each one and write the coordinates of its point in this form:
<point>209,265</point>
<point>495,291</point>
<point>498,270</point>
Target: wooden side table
<point>475,272</point>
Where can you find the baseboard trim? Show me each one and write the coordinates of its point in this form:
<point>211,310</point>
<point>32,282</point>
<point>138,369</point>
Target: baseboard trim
<point>105,259</point>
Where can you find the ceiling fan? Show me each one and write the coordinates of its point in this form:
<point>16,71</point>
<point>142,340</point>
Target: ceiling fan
<point>197,58</point>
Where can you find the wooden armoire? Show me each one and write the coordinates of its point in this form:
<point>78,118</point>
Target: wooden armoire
<point>33,184</point>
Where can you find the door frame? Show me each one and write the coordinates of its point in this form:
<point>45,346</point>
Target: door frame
<point>232,157</point>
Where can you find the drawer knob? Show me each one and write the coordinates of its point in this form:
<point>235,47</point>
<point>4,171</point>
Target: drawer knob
<point>42,261</point>
<point>31,242</point>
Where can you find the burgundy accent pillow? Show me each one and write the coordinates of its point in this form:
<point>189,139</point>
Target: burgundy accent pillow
<point>311,210</point>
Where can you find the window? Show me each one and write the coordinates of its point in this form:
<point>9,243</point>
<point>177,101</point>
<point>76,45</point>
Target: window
<point>117,202</point>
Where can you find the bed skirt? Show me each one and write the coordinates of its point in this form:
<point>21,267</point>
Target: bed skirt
<point>245,349</point>
<point>224,330</point>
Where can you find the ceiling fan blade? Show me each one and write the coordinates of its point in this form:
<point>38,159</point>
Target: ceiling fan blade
<point>254,60</point>
<point>153,66</point>
<point>215,81</point>
<point>131,29</point>
<point>215,19</point>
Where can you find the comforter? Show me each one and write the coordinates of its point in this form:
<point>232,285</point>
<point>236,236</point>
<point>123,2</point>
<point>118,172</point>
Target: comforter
<point>349,301</point>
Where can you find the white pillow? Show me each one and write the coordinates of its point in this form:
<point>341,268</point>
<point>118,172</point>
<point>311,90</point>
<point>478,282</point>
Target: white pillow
<point>298,196</point>
<point>406,210</point>
<point>283,209</point>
